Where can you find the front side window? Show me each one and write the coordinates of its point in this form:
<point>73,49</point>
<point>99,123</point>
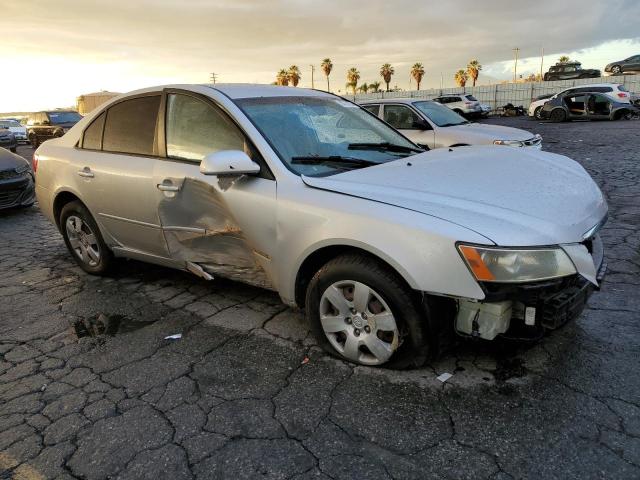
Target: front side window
<point>440,115</point>
<point>195,129</point>
<point>400,117</point>
<point>130,126</point>
<point>324,135</point>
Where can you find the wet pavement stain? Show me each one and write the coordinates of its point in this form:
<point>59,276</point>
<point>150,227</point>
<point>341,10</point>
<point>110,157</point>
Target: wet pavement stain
<point>103,324</point>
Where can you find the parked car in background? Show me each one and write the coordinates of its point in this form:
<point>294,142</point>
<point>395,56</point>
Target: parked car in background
<point>8,140</point>
<point>19,131</point>
<point>586,106</point>
<point>463,104</point>
<point>486,110</point>
<point>631,64</point>
<point>615,91</point>
<point>569,71</point>
<point>433,125</point>
<point>42,126</point>
<point>387,247</point>
<point>16,181</point>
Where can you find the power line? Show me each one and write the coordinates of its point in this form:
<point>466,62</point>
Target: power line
<point>212,78</point>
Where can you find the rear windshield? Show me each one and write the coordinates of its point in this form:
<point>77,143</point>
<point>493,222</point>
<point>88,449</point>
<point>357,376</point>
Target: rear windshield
<point>472,98</point>
<point>64,117</point>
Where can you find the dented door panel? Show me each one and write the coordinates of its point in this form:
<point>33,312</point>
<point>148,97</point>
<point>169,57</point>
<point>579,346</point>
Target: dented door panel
<point>225,225</point>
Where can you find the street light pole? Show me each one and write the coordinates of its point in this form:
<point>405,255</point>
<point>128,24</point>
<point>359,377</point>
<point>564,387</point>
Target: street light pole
<point>542,63</point>
<point>313,69</point>
<point>515,65</point>
<point>212,77</point>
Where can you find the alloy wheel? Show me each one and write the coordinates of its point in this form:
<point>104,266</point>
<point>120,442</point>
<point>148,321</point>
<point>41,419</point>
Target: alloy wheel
<point>358,323</point>
<point>83,241</point>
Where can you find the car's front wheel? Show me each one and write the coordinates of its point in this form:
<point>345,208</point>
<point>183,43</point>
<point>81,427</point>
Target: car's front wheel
<point>616,70</point>
<point>83,239</point>
<point>537,113</point>
<point>360,310</point>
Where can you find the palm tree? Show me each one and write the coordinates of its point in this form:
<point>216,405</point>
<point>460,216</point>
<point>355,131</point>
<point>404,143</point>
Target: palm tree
<point>386,71</point>
<point>282,77</point>
<point>374,87</point>
<point>364,88</point>
<point>417,72</point>
<point>353,75</point>
<point>473,69</point>
<point>326,67</point>
<point>563,59</point>
<point>293,75</point>
<point>461,78</point>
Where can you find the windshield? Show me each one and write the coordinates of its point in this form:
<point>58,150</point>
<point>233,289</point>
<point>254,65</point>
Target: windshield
<point>9,124</point>
<point>318,136</point>
<point>64,117</point>
<point>439,114</point>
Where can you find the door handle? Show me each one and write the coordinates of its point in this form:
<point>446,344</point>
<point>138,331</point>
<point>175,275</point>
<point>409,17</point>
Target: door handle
<point>168,188</point>
<point>86,172</point>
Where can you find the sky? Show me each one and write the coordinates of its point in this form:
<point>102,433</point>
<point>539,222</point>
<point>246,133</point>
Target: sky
<point>54,51</point>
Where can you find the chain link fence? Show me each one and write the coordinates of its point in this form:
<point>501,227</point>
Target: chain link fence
<point>500,94</point>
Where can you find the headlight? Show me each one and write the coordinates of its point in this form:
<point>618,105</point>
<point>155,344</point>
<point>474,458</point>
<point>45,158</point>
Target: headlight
<point>22,169</point>
<point>510,143</point>
<point>511,265</point>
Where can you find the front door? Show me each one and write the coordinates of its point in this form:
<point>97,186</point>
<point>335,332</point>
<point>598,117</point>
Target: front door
<point>226,226</point>
<point>404,118</point>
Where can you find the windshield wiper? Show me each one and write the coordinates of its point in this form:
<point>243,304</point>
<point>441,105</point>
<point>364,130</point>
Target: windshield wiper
<point>384,146</point>
<point>454,124</point>
<point>336,160</point>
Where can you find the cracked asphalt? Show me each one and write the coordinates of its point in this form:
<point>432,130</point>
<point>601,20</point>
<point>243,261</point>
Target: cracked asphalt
<point>236,398</point>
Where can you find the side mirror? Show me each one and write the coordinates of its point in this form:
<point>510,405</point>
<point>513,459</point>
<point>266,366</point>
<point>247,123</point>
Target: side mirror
<point>421,124</point>
<point>228,163</point>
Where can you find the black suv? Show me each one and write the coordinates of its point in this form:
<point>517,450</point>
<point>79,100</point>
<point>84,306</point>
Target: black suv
<point>42,126</point>
<point>569,71</point>
<point>631,64</point>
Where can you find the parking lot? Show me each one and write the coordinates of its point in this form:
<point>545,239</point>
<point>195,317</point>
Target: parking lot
<point>90,387</point>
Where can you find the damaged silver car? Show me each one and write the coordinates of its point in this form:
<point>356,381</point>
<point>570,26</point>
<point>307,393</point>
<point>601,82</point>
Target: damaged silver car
<point>386,247</point>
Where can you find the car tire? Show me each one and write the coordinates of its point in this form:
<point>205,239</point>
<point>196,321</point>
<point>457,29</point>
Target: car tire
<point>558,115</point>
<point>459,112</point>
<point>83,239</point>
<point>33,140</point>
<point>537,113</point>
<point>389,328</point>
<point>13,149</point>
<point>616,70</point>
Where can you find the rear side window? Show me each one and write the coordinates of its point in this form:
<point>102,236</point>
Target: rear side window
<point>622,88</point>
<point>375,109</point>
<point>92,138</point>
<point>130,126</point>
<point>472,98</point>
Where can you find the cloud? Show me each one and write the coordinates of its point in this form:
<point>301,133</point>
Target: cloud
<point>249,40</point>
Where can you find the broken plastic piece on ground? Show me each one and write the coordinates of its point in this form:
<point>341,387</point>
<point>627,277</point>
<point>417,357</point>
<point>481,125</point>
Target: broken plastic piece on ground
<point>176,336</point>
<point>444,377</point>
<point>305,360</point>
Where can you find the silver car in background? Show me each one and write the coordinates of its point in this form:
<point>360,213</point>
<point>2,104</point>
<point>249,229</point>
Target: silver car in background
<point>428,123</point>
<point>386,247</point>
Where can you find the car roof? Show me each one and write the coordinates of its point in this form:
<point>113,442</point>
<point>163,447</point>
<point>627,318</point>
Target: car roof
<point>249,90</point>
<point>594,85</point>
<point>393,100</point>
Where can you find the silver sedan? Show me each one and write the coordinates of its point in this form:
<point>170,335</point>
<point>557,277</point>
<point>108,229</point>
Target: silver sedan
<point>431,124</point>
<point>388,248</point>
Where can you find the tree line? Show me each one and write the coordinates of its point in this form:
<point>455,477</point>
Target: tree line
<point>291,76</point>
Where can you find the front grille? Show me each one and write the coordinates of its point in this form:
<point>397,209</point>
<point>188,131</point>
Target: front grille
<point>9,197</point>
<point>6,174</point>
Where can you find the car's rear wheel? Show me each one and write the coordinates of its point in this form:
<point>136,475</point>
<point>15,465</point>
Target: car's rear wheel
<point>360,310</point>
<point>459,112</point>
<point>558,115</point>
<point>13,149</point>
<point>83,239</point>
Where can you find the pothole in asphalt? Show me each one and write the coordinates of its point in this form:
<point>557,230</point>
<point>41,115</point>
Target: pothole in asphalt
<point>103,324</point>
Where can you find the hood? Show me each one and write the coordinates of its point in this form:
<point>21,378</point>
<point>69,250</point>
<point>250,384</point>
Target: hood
<point>486,132</point>
<point>514,197</point>
<point>10,160</point>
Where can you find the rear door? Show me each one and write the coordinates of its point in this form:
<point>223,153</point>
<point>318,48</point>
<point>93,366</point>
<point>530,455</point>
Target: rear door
<point>402,117</point>
<point>115,173</point>
<point>227,226</point>
<point>598,106</point>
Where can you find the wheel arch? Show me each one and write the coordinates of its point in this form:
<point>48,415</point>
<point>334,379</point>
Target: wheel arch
<point>61,199</point>
<point>323,254</point>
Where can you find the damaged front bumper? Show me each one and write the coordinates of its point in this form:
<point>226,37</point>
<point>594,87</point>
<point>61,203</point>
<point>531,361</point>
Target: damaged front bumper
<point>527,310</point>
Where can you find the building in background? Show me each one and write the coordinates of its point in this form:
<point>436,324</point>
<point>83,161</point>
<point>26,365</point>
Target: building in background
<point>86,103</point>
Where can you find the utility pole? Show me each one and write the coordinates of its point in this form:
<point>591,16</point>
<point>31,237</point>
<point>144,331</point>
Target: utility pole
<point>542,63</point>
<point>212,78</point>
<point>515,65</point>
<point>313,69</point>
